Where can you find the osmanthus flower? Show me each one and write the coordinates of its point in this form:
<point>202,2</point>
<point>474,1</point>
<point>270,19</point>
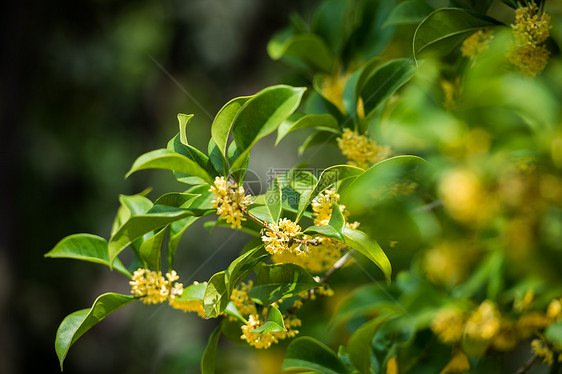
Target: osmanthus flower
<point>279,238</point>
<point>230,201</point>
<point>241,300</point>
<point>265,340</point>
<point>360,150</point>
<point>476,44</point>
<point>531,29</point>
<point>153,287</point>
<point>449,324</point>
<point>484,322</point>
<point>540,349</point>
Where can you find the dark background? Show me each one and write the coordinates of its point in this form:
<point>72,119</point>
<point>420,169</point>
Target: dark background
<point>86,87</point>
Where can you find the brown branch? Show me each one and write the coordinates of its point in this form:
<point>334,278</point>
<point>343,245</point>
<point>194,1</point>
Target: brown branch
<point>528,365</point>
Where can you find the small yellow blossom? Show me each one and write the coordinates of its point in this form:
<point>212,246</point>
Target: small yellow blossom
<point>280,237</point>
<point>360,150</point>
<point>265,340</point>
<point>554,310</point>
<point>449,324</point>
<point>529,323</point>
<point>529,31</point>
<point>153,287</point>
<point>392,365</point>
<point>484,323</point>
<point>458,363</point>
<point>230,201</point>
<point>542,350</point>
<point>240,297</point>
<point>476,44</point>
<point>446,263</point>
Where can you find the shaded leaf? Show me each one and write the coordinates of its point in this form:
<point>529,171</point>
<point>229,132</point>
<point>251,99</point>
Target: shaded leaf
<point>150,249</point>
<point>208,359</point>
<point>86,247</point>
<point>274,282</point>
<point>309,48</point>
<point>306,353</point>
<point>166,159</point>
<point>337,221</point>
<point>444,29</point>
<point>273,201</point>
<point>242,265</point>
<point>359,346</point>
<point>177,199</point>
<point>408,12</point>
<point>297,121</point>
<point>359,241</point>
<point>77,323</point>
<point>177,229</point>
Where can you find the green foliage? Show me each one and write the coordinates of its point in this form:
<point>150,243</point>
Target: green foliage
<point>309,354</point>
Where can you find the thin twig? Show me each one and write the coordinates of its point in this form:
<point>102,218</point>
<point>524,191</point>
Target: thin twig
<point>528,365</point>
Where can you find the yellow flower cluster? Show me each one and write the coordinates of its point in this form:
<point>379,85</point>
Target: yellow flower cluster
<point>279,238</point>
<point>485,323</point>
<point>241,299</point>
<point>540,349</point>
<point>321,257</point>
<point>476,44</point>
<point>152,286</point>
<point>230,201</point>
<point>530,30</point>
<point>360,150</point>
<point>447,263</point>
<point>265,340</point>
<point>458,364</point>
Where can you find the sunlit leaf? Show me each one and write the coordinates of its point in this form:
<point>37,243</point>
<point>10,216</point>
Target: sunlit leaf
<point>273,201</point>
<point>77,323</point>
<point>359,241</point>
<point>222,124</point>
<point>273,323</point>
<point>216,295</point>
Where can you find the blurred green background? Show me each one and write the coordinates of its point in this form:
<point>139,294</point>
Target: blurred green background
<point>86,88</point>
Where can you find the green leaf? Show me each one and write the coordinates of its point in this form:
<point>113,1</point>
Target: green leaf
<point>444,29</point>
<point>332,175</point>
<point>333,21</point>
<point>183,120</point>
<point>371,187</point>
<point>242,265</point>
<point>297,121</point>
<point>273,201</point>
<point>273,323</point>
<point>220,129</point>
<point>216,295</point>
<point>408,12</point>
<point>359,241</point>
<point>554,333</point>
<point>159,216</point>
<point>131,205</point>
<point>274,282</point>
<point>317,138</point>
<point>511,3</point>
<point>176,231</point>
<point>306,353</point>
<point>337,221</point>
<point>260,116</point>
<point>194,291</point>
<point>77,323</point>
<point>232,311</point>
<point>86,247</point>
<point>308,48</point>
<point>217,158</point>
<point>385,81</point>
<point>192,153</point>
<point>177,199</point>
<point>327,231</point>
<point>166,159</point>
<point>359,346</point>
<point>208,359</point>
<point>150,249</point>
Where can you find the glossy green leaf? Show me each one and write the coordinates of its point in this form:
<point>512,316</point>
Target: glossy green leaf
<point>511,3</point>
<point>222,124</point>
<point>333,21</point>
<point>337,220</point>
<point>260,116</point>
<point>372,186</point>
<point>86,247</point>
<point>166,159</point>
<point>384,81</point>
<point>177,199</point>
<point>444,29</point>
<point>317,138</point>
<point>242,265</point>
<point>175,145</point>
<point>318,104</point>
<point>137,226</point>
<point>232,311</point>
<point>150,249</point>
<point>77,323</point>
<point>359,345</point>
<point>209,356</point>
<point>217,158</point>
<point>177,229</point>
<point>216,295</point>
<point>306,353</point>
<point>195,291</point>
<point>327,231</point>
<point>274,282</point>
<point>297,121</point>
<point>273,323</point>
<point>131,205</point>
<point>308,48</point>
<point>409,12</point>
<point>273,201</point>
<point>184,120</point>
<point>359,241</point>
<point>304,202</point>
<point>333,175</point>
